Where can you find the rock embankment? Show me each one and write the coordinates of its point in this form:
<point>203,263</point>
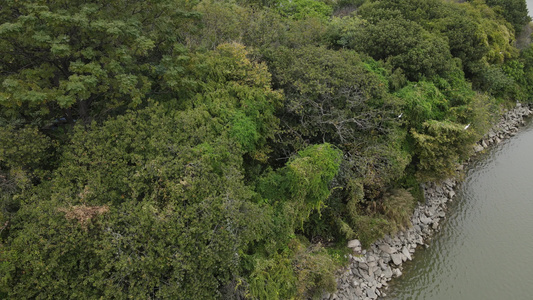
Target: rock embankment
<point>369,270</point>
<point>506,127</point>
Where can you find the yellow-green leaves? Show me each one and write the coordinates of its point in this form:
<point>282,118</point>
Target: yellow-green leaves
<point>311,172</point>
<point>422,101</point>
<point>439,146</point>
<point>303,9</point>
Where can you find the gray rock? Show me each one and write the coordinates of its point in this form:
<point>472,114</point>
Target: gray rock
<point>343,295</point>
<point>366,276</point>
<point>387,239</point>
<point>450,182</point>
<point>425,220</point>
<point>371,294</point>
<point>406,253</point>
<point>358,292</point>
<point>451,194</point>
<point>386,258</point>
<point>397,272</point>
<point>382,264</point>
<point>435,225</point>
<point>356,272</point>
<point>387,249</point>
<point>359,258</point>
<point>388,273</point>
<point>372,264</point>
<point>396,259</point>
<point>429,212</point>
<point>354,244</point>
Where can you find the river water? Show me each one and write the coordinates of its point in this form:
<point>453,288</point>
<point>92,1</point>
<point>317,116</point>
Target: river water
<point>484,249</point>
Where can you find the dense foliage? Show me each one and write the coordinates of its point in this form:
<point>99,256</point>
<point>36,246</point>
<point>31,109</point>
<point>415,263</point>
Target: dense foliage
<point>228,149</point>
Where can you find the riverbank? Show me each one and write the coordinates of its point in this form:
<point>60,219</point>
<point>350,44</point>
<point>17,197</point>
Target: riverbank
<point>369,271</point>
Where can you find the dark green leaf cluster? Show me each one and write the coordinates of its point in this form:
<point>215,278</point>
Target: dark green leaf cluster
<point>83,60</point>
<point>514,11</point>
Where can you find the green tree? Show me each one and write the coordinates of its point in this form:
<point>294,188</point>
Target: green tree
<point>526,57</point>
<point>294,192</point>
<point>439,146</point>
<point>514,11</point>
<point>220,22</point>
<point>302,9</point>
<point>419,11</point>
<point>423,102</point>
<point>81,60</point>
<point>499,33</point>
<point>152,200</point>
<point>147,205</point>
<point>238,91</point>
<point>466,38</point>
<point>404,44</point>
<point>473,31</point>
<point>331,95</point>
<point>24,160</point>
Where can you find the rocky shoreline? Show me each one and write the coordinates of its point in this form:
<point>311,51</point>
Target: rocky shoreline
<point>366,276</point>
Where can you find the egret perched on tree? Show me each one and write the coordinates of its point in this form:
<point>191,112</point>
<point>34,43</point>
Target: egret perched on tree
<point>400,115</point>
<point>466,127</point>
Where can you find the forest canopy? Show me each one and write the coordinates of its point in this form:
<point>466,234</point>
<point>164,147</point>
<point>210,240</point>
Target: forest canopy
<point>215,149</point>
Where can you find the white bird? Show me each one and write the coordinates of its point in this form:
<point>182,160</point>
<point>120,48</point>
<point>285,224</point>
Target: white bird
<point>466,127</point>
<point>400,115</point>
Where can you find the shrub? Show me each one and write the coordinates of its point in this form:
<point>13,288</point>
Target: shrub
<point>439,146</point>
<point>397,207</point>
<point>303,9</point>
<point>300,271</point>
<point>423,102</point>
